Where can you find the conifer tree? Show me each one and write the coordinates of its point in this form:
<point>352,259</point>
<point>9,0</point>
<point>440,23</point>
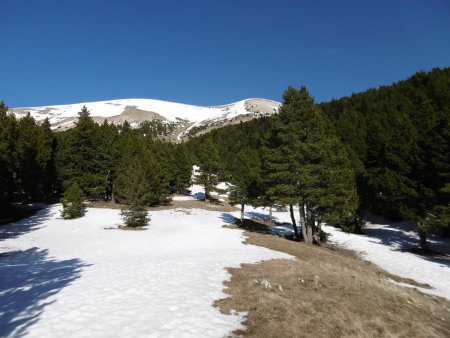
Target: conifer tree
<point>399,141</point>
<point>72,203</point>
<point>78,159</point>
<point>8,184</point>
<point>181,164</point>
<point>308,166</point>
<point>244,179</point>
<point>133,189</point>
<point>210,167</point>
<point>46,154</point>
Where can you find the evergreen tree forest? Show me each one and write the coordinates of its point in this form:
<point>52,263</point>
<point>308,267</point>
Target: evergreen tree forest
<point>39,165</point>
<point>384,151</point>
<point>398,138</point>
<point>27,161</point>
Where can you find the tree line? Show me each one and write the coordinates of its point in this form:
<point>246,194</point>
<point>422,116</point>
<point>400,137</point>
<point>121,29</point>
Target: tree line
<point>384,151</point>
<point>103,161</point>
<point>294,158</point>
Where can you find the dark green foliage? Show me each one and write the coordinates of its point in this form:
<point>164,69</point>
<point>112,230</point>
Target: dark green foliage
<point>8,185</point>
<point>81,157</point>
<point>27,150</point>
<point>72,203</point>
<point>37,164</point>
<point>34,155</point>
<point>154,128</point>
<point>306,164</point>
<point>133,189</point>
<point>210,167</point>
<point>399,140</point>
<point>135,217</point>
<point>245,179</point>
<point>292,158</point>
<point>181,166</point>
<point>131,186</point>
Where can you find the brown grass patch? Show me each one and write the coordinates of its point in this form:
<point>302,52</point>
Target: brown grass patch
<point>328,292</point>
<point>128,228</point>
<point>190,204</point>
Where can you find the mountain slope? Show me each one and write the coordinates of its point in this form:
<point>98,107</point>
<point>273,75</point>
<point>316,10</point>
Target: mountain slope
<point>185,118</point>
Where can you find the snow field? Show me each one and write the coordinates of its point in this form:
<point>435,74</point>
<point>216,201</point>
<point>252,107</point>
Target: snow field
<point>85,278</point>
<point>160,282</point>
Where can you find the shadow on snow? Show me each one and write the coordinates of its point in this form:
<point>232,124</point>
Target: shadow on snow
<point>28,280</point>
<point>26,225</point>
<point>402,236</point>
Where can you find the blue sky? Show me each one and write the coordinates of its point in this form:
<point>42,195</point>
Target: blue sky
<point>213,52</point>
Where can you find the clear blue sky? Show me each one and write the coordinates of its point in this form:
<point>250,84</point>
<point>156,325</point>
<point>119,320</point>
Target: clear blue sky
<point>213,52</point>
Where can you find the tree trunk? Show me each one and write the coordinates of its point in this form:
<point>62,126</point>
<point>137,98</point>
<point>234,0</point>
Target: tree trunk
<point>270,213</point>
<point>423,240</point>
<point>113,198</point>
<point>242,214</point>
<point>304,224</point>
<point>358,221</point>
<point>294,225</point>
<point>317,235</point>
<point>309,225</point>
<point>206,192</point>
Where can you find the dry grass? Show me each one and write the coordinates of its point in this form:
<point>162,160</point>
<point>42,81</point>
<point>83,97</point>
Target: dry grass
<point>190,204</point>
<point>328,292</point>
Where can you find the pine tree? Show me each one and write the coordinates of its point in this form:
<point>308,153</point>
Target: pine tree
<point>210,167</point>
<point>46,153</point>
<point>399,140</point>
<point>181,164</point>
<point>244,179</point>
<point>132,189</point>
<point>8,184</point>
<point>308,166</point>
<point>79,158</point>
<point>72,203</point>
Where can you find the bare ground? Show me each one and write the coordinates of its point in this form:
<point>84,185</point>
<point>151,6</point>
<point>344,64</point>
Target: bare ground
<point>328,292</point>
<point>189,204</point>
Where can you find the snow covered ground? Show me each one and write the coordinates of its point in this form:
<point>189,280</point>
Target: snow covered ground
<point>85,278</point>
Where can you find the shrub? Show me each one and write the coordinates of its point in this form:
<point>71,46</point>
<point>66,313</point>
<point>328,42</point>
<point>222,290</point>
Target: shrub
<point>135,216</point>
<point>72,203</point>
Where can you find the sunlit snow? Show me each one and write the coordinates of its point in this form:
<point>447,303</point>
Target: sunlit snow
<point>84,278</point>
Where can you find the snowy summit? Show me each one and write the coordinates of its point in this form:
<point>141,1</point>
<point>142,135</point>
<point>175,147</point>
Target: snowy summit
<point>135,111</point>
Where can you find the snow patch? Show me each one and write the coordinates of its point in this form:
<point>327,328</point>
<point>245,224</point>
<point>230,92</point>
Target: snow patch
<point>84,280</point>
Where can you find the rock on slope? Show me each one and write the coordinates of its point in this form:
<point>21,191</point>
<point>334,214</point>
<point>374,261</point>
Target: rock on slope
<point>186,118</point>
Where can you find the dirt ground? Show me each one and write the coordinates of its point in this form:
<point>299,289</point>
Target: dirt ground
<point>189,204</point>
<point>327,292</point>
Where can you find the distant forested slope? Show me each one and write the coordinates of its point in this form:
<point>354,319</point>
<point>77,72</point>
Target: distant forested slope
<point>397,138</point>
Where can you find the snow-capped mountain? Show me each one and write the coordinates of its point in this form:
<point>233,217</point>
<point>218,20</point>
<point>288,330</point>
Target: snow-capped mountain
<point>186,118</point>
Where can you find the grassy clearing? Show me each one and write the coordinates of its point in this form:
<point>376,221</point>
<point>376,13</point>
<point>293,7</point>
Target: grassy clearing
<point>328,292</point>
<point>189,204</point>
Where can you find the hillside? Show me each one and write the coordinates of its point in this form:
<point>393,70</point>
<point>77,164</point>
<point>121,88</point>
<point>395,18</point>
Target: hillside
<point>186,119</point>
<point>86,277</point>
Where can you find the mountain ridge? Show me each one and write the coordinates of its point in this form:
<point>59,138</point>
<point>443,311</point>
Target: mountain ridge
<point>184,117</point>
